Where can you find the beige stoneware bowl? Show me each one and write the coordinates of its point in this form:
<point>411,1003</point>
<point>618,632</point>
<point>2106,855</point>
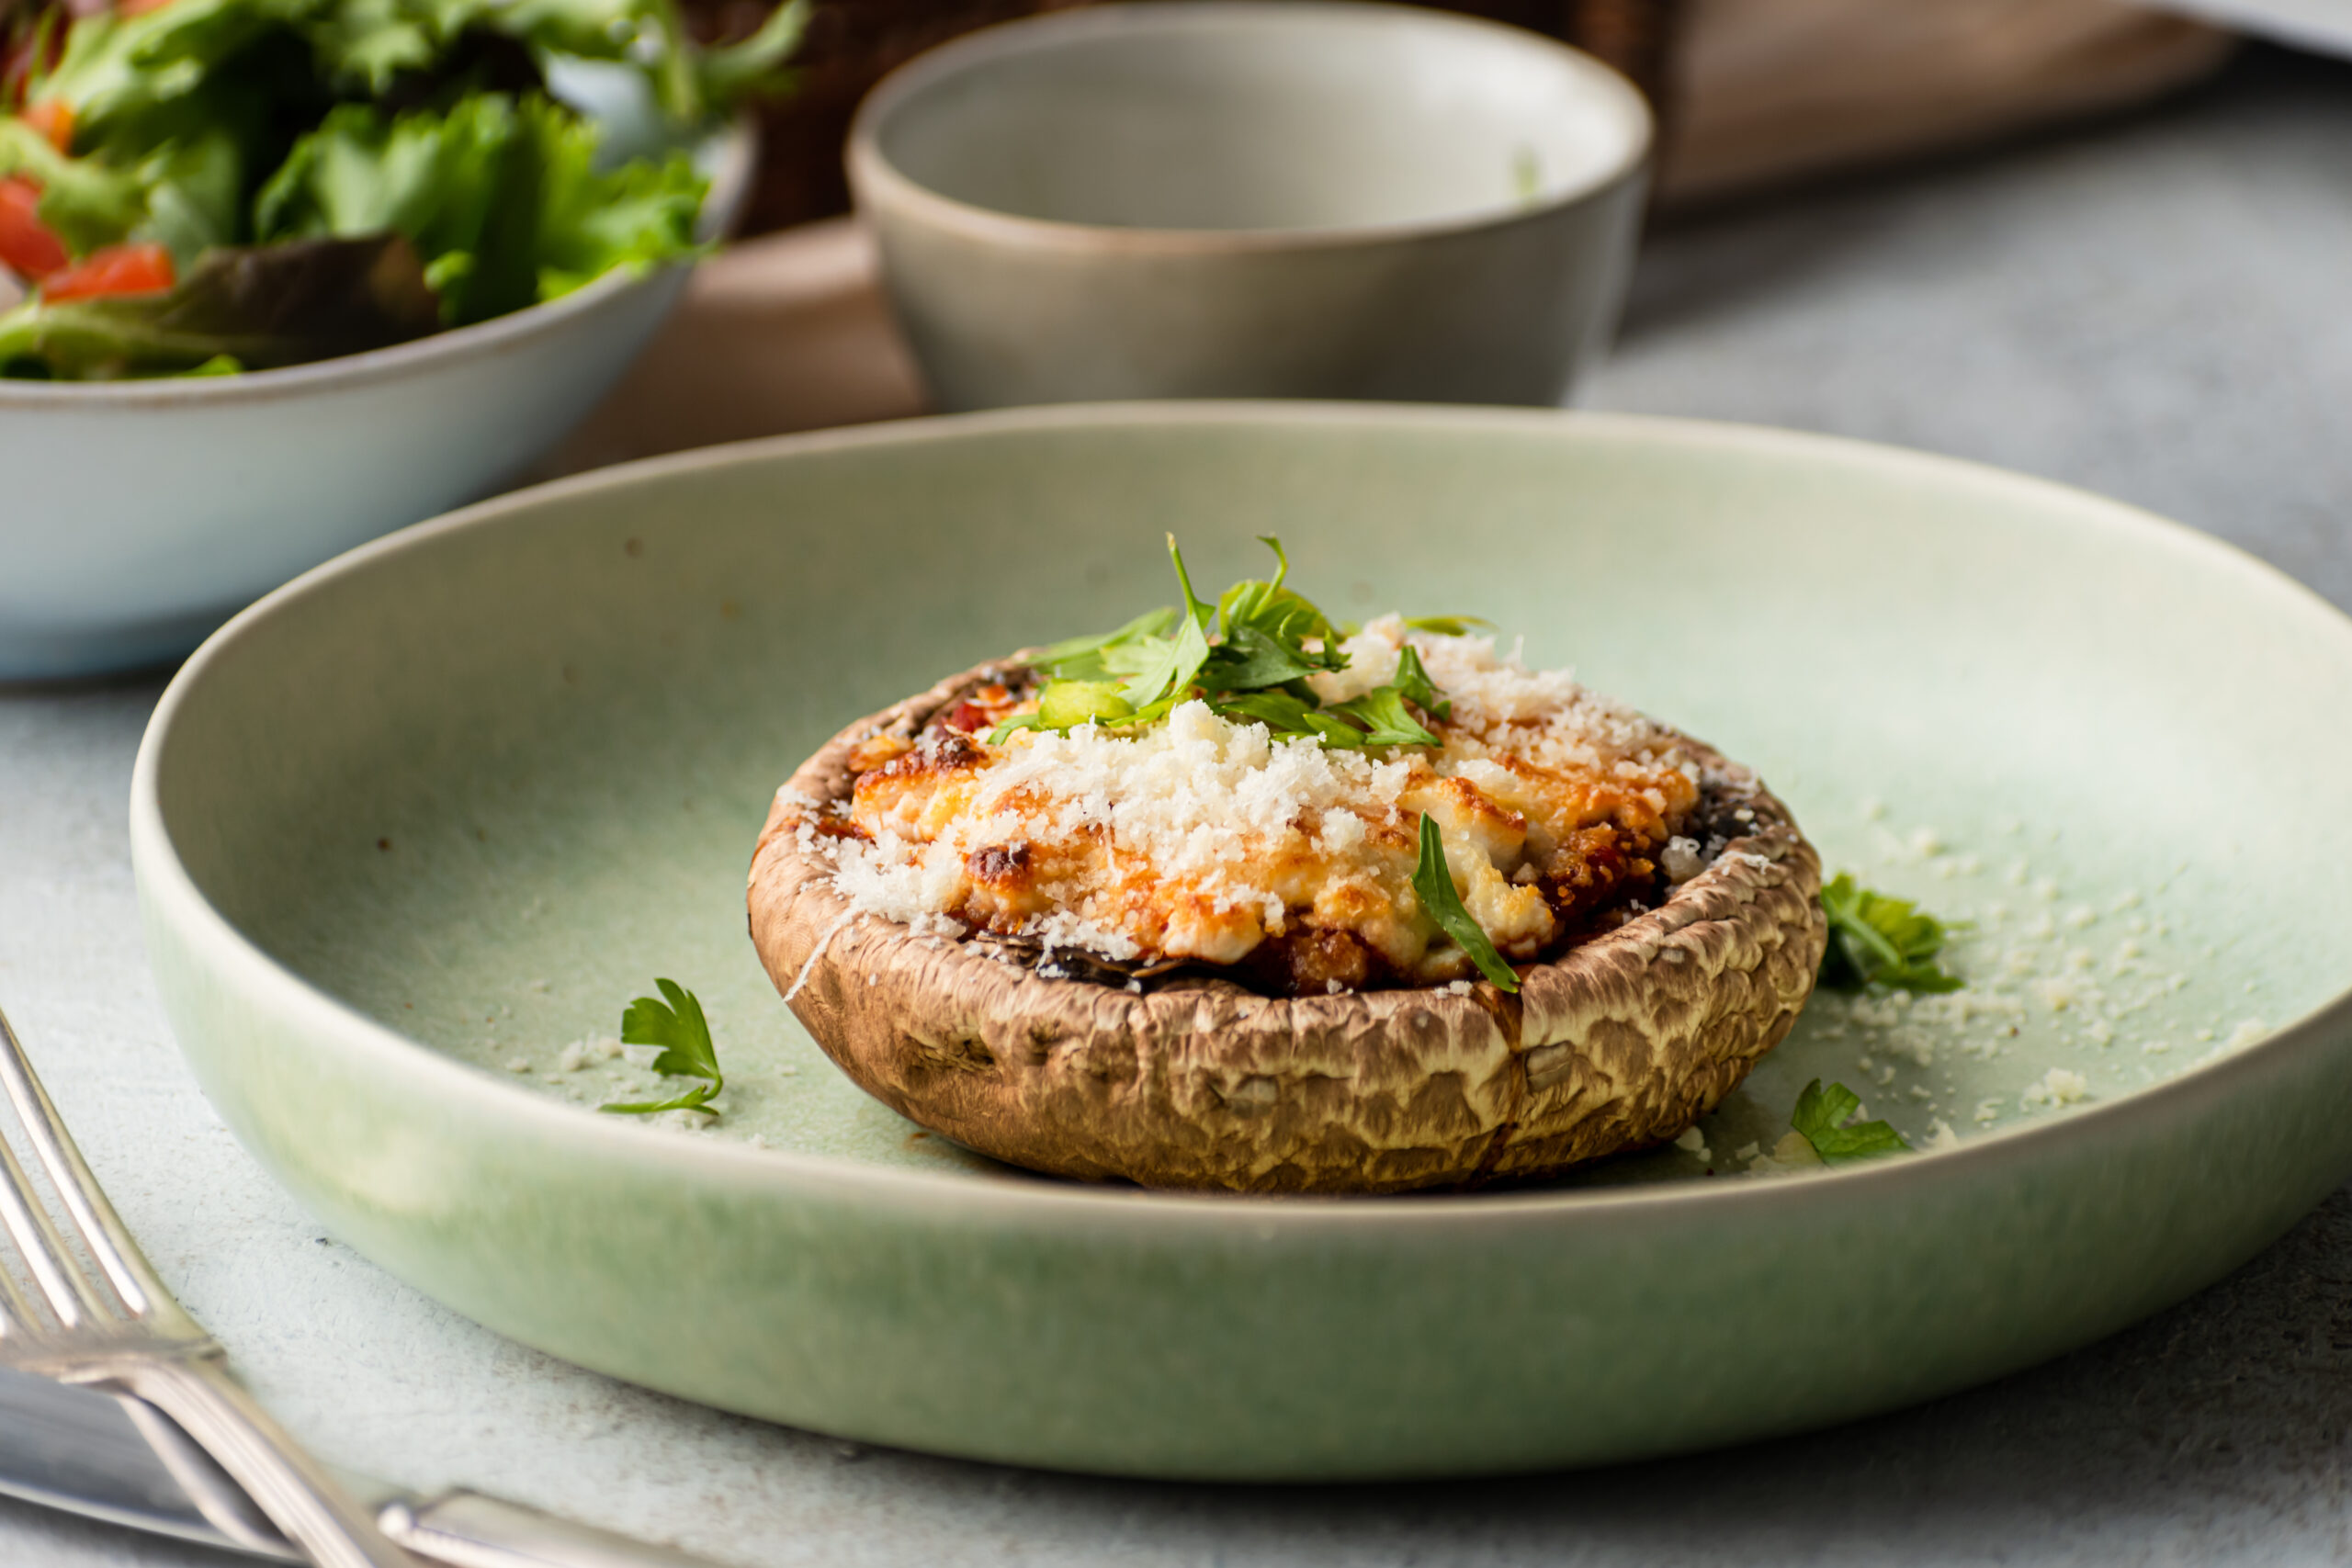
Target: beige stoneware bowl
<point>1310,199</point>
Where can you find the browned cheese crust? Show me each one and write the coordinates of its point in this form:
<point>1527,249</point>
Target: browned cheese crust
<point>1616,1045</point>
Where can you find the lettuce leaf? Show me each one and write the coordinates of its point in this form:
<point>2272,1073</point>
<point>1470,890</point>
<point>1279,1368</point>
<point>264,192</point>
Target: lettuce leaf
<point>127,79</point>
<point>464,187</point>
<point>500,195</point>
<point>633,217</point>
<point>229,124</point>
<point>85,204</point>
<point>261,307</point>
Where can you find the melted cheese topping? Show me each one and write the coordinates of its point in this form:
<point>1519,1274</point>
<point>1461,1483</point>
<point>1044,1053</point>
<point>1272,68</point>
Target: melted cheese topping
<point>1212,840</point>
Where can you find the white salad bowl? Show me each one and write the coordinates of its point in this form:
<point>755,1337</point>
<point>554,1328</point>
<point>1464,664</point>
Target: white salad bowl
<point>141,514</point>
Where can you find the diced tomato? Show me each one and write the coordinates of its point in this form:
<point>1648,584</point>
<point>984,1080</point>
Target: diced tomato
<point>53,117</point>
<point>116,269</point>
<point>27,247</point>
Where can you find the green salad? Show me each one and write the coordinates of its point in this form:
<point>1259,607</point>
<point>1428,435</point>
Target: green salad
<point>207,187</point>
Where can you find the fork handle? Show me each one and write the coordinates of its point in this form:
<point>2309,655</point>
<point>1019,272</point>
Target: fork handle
<point>225,1421</point>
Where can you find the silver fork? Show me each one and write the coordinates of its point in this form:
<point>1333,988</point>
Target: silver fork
<point>109,1320</point>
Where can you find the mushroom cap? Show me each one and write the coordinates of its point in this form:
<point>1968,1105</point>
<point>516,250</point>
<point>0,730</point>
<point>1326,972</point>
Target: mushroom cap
<point>1196,1082</point>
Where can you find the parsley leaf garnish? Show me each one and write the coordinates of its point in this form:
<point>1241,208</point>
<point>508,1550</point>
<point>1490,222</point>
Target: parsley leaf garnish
<point>1874,939</point>
<point>1255,660</point>
<point>1286,714</point>
<point>1447,626</point>
<point>1170,665</point>
<point>1381,710</point>
<point>1277,611</point>
<point>1249,656</point>
<point>1203,615</point>
<point>1065,703</point>
<point>1413,681</point>
<point>683,1034</point>
<point>1819,1119</point>
<point>1004,731</point>
<point>1081,658</point>
<point>1434,883</point>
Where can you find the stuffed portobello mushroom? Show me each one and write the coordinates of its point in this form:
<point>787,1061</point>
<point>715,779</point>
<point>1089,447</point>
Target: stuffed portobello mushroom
<point>1235,897</point>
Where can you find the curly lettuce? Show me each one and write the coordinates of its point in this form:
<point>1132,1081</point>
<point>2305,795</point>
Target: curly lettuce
<point>242,125</point>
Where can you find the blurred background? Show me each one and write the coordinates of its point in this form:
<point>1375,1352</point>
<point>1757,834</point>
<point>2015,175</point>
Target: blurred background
<point>2019,193</point>
<point>1749,92</point>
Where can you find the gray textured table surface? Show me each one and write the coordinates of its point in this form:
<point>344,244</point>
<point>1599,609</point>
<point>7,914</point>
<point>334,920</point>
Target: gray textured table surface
<point>2159,309</point>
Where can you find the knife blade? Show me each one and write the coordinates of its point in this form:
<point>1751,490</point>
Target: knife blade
<point>85,1452</point>
<point>113,1457</point>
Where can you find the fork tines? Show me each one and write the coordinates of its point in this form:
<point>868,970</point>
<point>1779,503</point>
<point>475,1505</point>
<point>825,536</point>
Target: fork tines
<point>85,1271</point>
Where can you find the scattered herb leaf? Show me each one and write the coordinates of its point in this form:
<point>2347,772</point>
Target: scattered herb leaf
<point>1434,882</point>
<point>1527,176</point>
<point>1874,939</point>
<point>677,1026</point>
<point>1820,1120</point>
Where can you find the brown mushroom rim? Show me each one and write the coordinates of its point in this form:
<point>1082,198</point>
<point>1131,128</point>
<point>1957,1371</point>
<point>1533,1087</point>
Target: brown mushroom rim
<point>1618,1043</point>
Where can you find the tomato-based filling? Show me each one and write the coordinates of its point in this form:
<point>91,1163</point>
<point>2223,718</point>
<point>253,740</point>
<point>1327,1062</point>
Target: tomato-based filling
<point>1286,863</point>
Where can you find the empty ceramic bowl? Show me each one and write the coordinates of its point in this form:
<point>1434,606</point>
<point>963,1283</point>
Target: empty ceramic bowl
<point>1233,198</point>
<point>142,514</point>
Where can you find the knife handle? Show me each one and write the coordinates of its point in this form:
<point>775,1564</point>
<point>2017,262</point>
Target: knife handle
<point>213,1408</point>
<point>466,1529</point>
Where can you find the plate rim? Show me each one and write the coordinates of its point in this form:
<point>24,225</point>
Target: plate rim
<point>167,890</point>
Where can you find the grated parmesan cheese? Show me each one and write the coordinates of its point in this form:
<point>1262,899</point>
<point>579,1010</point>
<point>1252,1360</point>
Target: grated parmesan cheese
<point>1203,838</point>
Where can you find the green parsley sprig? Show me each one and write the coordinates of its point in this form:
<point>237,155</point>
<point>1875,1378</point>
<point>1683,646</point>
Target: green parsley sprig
<point>1434,882</point>
<point>1820,1120</point>
<point>683,1034</point>
<point>1249,656</point>
<point>1877,940</point>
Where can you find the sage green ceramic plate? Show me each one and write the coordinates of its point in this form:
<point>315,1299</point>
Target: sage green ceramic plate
<point>411,832</point>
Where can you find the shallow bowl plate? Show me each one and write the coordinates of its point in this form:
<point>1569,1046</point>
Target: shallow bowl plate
<point>411,832</point>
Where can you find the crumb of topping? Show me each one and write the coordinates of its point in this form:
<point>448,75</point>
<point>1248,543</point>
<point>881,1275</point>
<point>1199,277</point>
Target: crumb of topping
<point>2057,1087</point>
